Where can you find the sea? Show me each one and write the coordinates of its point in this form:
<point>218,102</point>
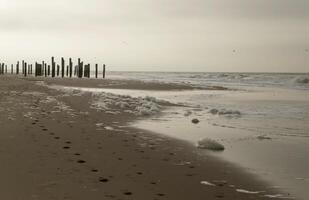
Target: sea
<point>262,120</point>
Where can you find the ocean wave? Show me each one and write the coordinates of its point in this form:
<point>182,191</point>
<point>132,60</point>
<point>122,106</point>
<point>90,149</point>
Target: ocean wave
<point>301,80</point>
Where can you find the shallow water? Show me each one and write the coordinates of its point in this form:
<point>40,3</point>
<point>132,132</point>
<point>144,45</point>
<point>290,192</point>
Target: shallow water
<point>270,136</point>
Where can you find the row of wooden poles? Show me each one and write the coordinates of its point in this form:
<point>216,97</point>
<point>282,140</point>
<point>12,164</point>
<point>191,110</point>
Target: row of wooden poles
<point>53,70</point>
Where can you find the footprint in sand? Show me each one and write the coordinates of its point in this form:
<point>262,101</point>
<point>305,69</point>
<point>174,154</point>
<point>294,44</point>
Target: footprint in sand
<point>220,196</point>
<point>81,161</point>
<point>127,193</point>
<point>66,147</point>
<point>103,180</point>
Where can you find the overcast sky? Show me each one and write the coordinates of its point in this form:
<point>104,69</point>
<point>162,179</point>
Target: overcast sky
<point>157,35</point>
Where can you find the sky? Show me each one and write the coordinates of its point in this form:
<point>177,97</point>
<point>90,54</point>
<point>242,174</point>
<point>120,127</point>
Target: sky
<point>160,35</point>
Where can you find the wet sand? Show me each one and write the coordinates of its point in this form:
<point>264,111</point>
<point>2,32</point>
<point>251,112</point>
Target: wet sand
<point>55,146</point>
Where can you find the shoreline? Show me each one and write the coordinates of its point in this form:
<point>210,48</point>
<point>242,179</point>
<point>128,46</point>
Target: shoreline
<point>70,151</point>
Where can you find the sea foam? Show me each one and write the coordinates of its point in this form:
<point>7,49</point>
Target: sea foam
<point>210,144</point>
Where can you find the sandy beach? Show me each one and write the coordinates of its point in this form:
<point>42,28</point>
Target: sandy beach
<point>55,145</point>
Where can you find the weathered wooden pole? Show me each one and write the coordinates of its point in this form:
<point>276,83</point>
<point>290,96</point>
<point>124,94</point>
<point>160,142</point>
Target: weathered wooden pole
<point>23,66</point>
<point>36,69</point>
<point>45,70</point>
<point>104,70</point>
<point>58,68</point>
<point>96,70</point>
<point>80,68</point>
<point>25,69</point>
<point>53,67</point>
<point>86,70</point>
<point>71,66</point>
<point>12,68</point>
<point>17,68</point>
<point>88,73</point>
<point>48,70</point>
<point>62,67</point>
<point>6,69</point>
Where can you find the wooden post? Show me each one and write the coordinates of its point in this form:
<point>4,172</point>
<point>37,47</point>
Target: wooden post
<point>17,68</point>
<point>96,70</point>
<point>53,67</point>
<point>58,68</point>
<point>12,68</point>
<point>23,66</point>
<point>25,69</point>
<point>81,70</point>
<point>48,70</point>
<point>86,70</point>
<point>67,74</point>
<point>36,69</point>
<point>45,70</point>
<point>71,66</point>
<point>104,70</point>
<point>62,67</point>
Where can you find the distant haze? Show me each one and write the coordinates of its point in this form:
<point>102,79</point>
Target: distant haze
<point>160,35</point>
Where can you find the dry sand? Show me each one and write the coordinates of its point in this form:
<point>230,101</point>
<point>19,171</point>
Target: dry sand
<point>51,148</point>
